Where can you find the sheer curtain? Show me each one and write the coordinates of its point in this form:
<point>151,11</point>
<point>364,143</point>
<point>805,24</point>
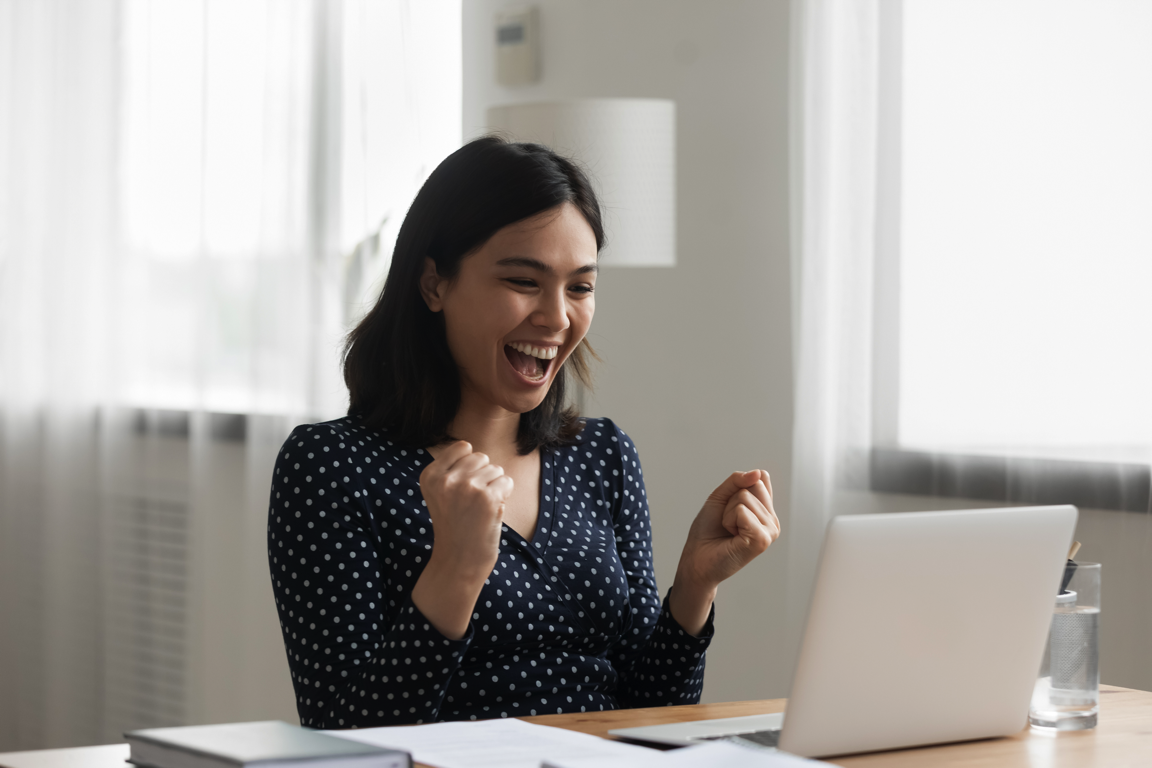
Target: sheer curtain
<point>197,198</point>
<point>835,146</point>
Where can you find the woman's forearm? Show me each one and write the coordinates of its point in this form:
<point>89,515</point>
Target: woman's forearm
<point>447,597</point>
<point>690,603</point>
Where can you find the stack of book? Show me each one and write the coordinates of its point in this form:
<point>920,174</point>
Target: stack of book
<point>270,744</point>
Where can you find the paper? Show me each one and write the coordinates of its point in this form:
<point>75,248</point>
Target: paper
<point>505,743</point>
<point>701,756</point>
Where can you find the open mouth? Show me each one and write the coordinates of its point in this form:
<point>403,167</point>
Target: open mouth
<point>530,362</point>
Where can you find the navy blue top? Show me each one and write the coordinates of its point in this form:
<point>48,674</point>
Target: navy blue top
<point>569,622</point>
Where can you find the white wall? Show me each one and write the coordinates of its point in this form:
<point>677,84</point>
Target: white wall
<point>697,358</point>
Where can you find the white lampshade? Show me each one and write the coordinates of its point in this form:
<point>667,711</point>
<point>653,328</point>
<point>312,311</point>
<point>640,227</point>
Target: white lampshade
<point>628,146</point>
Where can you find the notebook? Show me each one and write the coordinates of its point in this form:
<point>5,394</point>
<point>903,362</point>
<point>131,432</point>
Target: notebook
<point>268,744</point>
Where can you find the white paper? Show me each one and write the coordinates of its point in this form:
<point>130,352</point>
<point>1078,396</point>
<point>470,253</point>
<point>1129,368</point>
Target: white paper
<point>504,743</point>
<point>701,756</point>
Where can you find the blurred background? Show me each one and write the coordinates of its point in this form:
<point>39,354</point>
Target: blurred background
<point>911,259</point>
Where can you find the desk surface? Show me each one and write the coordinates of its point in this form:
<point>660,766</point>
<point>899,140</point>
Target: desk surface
<point>1123,738</point>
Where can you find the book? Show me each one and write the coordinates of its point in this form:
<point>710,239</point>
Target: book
<point>268,744</point>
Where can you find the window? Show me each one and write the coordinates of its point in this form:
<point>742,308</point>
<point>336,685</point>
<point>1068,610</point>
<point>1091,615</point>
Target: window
<point>1019,239</point>
<point>269,152</point>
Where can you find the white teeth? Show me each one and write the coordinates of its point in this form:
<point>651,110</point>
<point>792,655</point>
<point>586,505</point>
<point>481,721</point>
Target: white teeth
<point>541,353</point>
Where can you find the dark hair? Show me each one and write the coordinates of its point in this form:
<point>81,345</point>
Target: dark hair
<point>397,365</point>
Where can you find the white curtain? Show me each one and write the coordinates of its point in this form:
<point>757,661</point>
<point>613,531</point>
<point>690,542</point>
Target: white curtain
<point>59,71</point>
<point>835,144</point>
<point>197,197</point>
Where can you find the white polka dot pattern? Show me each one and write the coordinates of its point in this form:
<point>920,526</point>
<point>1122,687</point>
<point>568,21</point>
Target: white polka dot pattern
<point>568,622</point>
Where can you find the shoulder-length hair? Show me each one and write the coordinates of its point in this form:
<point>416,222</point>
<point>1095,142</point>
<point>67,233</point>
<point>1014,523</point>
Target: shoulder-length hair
<point>397,365</point>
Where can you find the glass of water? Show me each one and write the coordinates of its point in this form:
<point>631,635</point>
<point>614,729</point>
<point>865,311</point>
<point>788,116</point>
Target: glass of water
<point>1067,694</point>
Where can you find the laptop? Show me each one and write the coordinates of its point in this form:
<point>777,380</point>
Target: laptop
<point>923,628</point>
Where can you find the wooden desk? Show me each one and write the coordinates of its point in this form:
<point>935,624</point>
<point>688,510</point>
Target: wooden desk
<point>1123,738</point>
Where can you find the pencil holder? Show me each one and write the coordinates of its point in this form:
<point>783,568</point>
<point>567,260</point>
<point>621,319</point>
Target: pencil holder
<point>1067,693</point>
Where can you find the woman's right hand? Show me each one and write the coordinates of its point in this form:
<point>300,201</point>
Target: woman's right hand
<point>465,495</point>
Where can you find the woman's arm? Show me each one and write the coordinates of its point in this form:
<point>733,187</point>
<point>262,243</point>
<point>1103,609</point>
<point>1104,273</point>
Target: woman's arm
<point>361,652</point>
<point>736,524</point>
<point>690,604</point>
<point>465,494</point>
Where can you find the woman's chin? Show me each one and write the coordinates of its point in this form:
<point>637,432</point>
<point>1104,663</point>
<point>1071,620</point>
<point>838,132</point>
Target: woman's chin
<point>524,404</point>
<point>521,399</point>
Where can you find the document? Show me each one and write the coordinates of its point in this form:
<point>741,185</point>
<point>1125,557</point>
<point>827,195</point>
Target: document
<point>504,743</point>
<point>701,756</point>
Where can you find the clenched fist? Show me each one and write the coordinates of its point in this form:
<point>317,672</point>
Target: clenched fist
<point>736,524</point>
<point>465,494</point>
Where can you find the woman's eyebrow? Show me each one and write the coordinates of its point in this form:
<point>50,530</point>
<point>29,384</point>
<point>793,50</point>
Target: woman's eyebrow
<point>530,263</point>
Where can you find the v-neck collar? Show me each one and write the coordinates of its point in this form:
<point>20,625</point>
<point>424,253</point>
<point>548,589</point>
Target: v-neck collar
<point>547,510</point>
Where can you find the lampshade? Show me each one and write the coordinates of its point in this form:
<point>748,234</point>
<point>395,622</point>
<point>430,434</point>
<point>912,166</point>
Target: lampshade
<point>628,146</point>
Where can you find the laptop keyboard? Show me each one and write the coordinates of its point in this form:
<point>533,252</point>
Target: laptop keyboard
<point>767,738</point>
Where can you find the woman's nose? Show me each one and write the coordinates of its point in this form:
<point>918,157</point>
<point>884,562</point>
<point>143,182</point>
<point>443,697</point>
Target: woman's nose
<point>552,313</point>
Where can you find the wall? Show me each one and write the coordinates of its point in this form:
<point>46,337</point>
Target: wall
<point>696,358</point>
<point>1122,542</point>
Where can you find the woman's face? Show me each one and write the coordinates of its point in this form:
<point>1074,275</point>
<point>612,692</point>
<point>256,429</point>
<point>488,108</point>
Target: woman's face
<point>518,307</point>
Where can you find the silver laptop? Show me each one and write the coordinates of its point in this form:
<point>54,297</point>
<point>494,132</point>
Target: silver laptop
<point>924,628</point>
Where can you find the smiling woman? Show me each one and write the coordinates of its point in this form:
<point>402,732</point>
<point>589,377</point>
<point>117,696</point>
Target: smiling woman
<point>462,545</point>
<point>511,321</point>
<point>400,370</point>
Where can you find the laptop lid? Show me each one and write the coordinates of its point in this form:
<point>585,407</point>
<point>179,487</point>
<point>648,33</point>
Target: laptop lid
<point>925,627</point>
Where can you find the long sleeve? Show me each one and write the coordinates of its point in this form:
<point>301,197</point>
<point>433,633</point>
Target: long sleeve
<point>657,661</point>
<point>361,654</point>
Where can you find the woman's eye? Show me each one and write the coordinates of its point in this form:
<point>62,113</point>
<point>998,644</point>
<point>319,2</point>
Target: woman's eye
<point>582,288</point>
<point>521,283</point>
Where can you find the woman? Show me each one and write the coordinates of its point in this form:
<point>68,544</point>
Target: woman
<point>536,593</point>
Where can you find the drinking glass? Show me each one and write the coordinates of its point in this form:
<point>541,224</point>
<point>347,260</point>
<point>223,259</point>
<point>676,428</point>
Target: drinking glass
<point>1067,693</point>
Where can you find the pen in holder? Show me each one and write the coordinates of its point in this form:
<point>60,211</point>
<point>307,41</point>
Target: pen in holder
<point>1069,567</point>
<point>1067,692</point>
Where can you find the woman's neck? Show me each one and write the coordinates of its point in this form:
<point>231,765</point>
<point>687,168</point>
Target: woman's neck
<point>490,429</point>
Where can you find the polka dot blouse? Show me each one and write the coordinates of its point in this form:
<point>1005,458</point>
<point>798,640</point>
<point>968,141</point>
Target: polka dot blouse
<point>568,622</point>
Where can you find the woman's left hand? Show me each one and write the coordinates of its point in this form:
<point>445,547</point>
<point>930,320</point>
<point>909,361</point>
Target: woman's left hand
<point>736,524</point>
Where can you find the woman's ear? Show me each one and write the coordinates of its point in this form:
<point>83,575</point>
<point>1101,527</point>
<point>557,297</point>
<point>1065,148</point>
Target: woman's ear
<point>431,286</point>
